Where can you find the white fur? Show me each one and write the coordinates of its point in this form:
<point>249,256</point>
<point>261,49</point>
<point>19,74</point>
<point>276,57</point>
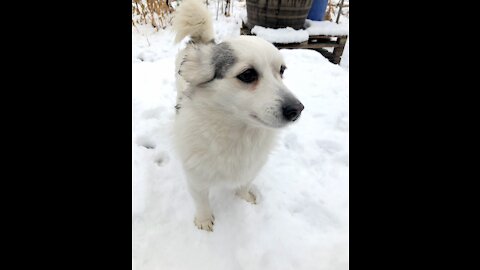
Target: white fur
<point>225,128</point>
<point>192,18</point>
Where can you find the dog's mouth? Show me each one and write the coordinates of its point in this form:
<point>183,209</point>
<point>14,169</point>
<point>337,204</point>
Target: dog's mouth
<point>265,123</point>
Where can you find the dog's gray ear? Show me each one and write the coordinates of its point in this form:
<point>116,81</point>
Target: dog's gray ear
<point>196,66</point>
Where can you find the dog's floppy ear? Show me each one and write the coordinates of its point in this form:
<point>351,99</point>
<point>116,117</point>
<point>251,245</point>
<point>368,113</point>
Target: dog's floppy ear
<point>196,67</point>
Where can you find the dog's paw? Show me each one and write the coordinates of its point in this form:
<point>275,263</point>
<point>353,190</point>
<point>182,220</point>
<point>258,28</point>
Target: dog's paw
<point>205,224</point>
<point>247,196</point>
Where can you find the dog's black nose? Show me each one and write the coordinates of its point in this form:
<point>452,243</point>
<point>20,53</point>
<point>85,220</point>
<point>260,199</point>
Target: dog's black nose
<point>291,112</point>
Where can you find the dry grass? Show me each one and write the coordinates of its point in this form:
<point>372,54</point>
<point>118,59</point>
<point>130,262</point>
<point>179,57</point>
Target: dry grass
<point>154,12</point>
<point>330,12</point>
<point>159,13</point>
<point>333,8</point>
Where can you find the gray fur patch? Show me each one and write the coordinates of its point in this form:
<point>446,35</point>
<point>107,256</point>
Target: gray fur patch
<point>223,58</point>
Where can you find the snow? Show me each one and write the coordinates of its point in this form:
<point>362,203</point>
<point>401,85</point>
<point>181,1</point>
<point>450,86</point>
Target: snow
<point>300,220</point>
<point>290,35</point>
<point>326,28</point>
<point>280,35</point>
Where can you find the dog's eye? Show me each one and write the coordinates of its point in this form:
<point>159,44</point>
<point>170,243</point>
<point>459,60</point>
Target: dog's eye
<point>248,76</point>
<point>282,69</point>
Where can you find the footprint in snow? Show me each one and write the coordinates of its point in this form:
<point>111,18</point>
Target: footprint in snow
<point>162,158</point>
<point>291,142</point>
<point>145,142</point>
<point>329,146</point>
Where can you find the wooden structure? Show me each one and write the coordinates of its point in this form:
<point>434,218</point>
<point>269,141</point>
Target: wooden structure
<point>314,42</point>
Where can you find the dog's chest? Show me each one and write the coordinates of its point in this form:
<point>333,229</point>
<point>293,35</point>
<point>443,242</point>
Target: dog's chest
<point>227,155</point>
<point>239,158</point>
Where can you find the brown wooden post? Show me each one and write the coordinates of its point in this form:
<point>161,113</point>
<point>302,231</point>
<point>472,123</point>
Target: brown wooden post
<point>340,11</point>
<point>338,51</point>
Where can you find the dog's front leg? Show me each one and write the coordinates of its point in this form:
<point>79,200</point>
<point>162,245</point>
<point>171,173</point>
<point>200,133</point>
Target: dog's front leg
<point>245,193</point>
<point>204,219</point>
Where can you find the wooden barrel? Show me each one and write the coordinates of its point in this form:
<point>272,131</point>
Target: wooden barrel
<point>278,13</point>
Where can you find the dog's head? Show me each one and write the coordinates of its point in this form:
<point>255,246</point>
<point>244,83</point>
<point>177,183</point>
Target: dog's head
<point>242,78</point>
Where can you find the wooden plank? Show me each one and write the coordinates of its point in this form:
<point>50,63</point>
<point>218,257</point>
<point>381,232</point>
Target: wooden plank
<point>342,40</point>
<point>337,54</point>
<point>327,36</point>
<point>308,45</point>
<point>319,41</point>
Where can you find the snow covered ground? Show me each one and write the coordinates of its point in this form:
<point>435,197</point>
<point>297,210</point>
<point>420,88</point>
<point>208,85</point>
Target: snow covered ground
<point>301,218</point>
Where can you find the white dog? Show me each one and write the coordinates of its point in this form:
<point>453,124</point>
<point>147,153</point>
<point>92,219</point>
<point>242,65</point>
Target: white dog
<point>231,101</point>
